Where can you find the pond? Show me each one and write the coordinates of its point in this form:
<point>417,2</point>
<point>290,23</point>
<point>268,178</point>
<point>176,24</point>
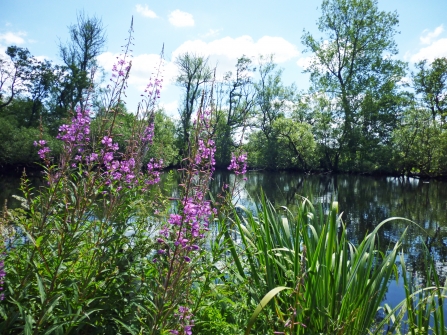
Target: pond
<point>365,201</point>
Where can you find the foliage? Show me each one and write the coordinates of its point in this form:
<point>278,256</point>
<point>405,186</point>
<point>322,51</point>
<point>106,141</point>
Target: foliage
<point>194,73</point>
<point>16,145</point>
<point>431,84</point>
<point>87,40</point>
<point>422,310</point>
<point>333,286</point>
<point>298,138</point>
<point>273,101</point>
<point>235,100</point>
<point>353,67</point>
<point>420,144</point>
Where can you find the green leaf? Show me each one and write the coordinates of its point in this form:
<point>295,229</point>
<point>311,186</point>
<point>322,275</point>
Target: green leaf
<point>269,296</point>
<point>38,241</point>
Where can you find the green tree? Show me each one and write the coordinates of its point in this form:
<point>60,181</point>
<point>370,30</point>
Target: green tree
<point>14,73</point>
<point>420,144</point>
<point>352,66</point>
<point>273,101</point>
<point>297,136</point>
<point>319,111</point>
<point>431,84</point>
<point>235,97</point>
<point>87,40</point>
<point>164,146</point>
<point>194,74</point>
<point>27,79</point>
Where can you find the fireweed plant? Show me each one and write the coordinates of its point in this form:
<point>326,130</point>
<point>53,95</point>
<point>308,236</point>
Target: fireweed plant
<point>98,250</point>
<point>77,258</point>
<point>180,238</point>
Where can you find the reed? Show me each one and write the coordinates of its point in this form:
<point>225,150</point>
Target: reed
<point>304,269</point>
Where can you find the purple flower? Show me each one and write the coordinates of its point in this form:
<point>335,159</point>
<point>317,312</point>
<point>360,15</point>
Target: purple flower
<point>175,219</point>
<point>43,151</point>
<point>75,134</point>
<point>93,157</point>
<point>238,164</point>
<point>107,141</point>
<point>108,156</point>
<point>148,133</point>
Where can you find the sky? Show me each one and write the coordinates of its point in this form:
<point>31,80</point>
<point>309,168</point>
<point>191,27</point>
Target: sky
<point>221,30</point>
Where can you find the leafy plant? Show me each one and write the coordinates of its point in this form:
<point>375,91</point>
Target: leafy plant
<point>329,286</point>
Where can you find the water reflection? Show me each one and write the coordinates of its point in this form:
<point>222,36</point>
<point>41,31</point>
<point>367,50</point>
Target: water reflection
<point>365,201</point>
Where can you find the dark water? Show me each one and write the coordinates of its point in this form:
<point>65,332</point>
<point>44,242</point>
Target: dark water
<point>364,201</point>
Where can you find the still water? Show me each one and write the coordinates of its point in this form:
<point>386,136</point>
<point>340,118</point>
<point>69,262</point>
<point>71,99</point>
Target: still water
<point>365,201</point>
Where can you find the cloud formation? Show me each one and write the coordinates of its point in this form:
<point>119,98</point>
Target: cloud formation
<point>224,52</point>
<point>211,33</point>
<point>11,38</point>
<point>144,67</point>
<point>145,11</point>
<point>170,108</point>
<point>436,49</point>
<point>305,62</point>
<point>233,48</point>
<point>181,19</point>
<point>428,36</point>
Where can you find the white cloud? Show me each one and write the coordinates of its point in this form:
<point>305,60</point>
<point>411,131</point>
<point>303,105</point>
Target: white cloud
<point>144,67</point>
<point>233,48</point>
<point>305,62</point>
<point>145,11</point>
<point>224,52</point>
<point>436,49</point>
<point>211,32</point>
<point>181,19</point>
<point>170,108</point>
<point>428,36</point>
<point>11,38</point>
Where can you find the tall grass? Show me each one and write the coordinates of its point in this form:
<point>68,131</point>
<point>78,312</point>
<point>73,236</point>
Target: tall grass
<point>305,270</point>
<point>422,310</point>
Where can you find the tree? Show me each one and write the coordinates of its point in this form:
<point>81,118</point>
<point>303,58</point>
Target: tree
<point>87,40</point>
<point>352,65</point>
<point>235,98</point>
<point>297,136</point>
<point>321,113</point>
<point>272,96</point>
<point>14,73</point>
<point>273,101</point>
<point>420,144</point>
<point>29,83</point>
<point>194,74</point>
<point>431,84</point>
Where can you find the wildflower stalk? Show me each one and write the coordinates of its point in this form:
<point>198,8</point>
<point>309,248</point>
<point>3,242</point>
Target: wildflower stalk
<point>71,253</point>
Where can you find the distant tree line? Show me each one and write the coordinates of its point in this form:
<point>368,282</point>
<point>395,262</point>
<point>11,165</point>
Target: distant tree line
<point>364,111</point>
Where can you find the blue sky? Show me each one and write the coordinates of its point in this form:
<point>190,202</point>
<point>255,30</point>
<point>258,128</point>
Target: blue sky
<point>222,30</point>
